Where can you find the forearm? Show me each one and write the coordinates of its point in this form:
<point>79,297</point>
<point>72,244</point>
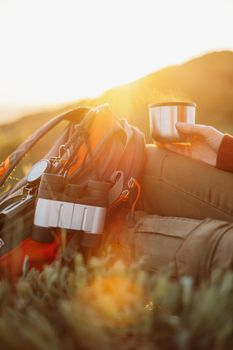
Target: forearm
<point>225,154</point>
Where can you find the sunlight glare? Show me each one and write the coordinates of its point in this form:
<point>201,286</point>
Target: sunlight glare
<point>57,51</point>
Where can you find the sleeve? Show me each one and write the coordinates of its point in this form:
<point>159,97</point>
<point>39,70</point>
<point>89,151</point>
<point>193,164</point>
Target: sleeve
<point>225,154</point>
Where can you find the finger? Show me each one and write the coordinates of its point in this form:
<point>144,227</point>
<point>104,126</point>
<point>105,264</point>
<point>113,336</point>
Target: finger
<point>192,129</point>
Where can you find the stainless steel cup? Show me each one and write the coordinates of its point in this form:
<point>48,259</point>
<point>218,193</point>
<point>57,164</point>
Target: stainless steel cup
<point>163,119</point>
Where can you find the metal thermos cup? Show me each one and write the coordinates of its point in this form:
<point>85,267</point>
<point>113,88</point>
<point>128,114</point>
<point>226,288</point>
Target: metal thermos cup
<point>163,119</point>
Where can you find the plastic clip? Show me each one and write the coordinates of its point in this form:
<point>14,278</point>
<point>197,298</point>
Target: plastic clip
<point>65,150</point>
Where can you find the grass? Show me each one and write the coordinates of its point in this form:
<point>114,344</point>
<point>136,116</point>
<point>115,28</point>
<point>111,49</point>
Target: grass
<point>108,305</point>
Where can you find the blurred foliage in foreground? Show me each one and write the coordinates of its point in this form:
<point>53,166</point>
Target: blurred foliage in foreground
<point>111,306</point>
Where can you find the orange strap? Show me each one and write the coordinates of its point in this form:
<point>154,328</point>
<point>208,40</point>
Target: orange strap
<point>101,124</point>
<point>4,166</point>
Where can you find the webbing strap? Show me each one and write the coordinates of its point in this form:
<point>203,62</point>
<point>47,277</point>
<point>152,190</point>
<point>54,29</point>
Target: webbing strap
<point>117,188</point>
<point>72,247</point>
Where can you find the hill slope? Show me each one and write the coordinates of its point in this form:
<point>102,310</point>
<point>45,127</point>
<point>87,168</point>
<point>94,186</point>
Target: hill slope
<point>207,80</point>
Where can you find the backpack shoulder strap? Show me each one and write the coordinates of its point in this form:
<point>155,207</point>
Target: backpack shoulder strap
<point>14,158</point>
<point>134,155</point>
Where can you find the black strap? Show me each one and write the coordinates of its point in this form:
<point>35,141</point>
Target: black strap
<point>72,247</point>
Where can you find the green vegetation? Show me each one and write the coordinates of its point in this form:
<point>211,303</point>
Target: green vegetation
<point>107,305</point>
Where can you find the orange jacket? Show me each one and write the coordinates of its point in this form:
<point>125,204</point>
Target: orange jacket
<point>225,154</point>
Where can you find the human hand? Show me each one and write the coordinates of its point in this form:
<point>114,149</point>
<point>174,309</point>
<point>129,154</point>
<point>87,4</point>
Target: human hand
<point>204,142</point>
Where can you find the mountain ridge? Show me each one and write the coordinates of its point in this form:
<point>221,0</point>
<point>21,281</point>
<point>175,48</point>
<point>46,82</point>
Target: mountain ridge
<point>206,80</point>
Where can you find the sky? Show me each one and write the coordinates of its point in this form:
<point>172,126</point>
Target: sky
<point>55,51</point>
